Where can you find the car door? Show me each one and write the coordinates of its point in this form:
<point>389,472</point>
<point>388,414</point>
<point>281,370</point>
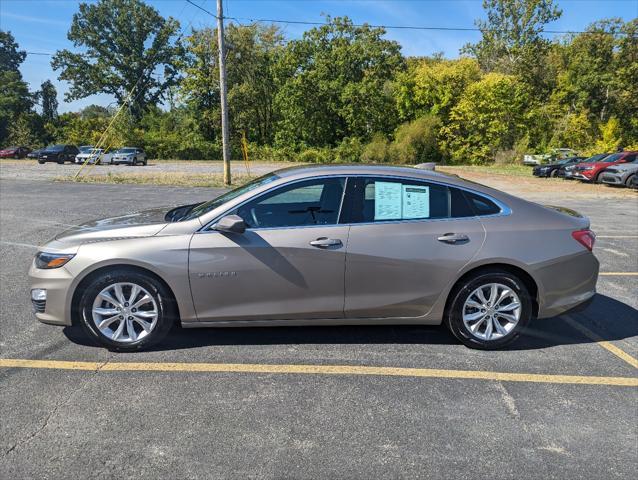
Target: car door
<point>289,263</point>
<point>408,240</point>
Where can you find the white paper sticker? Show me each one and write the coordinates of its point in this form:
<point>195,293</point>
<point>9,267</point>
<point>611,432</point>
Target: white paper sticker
<point>387,201</point>
<point>416,202</point>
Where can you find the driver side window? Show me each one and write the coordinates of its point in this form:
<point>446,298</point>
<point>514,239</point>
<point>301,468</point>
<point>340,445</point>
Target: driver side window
<point>307,203</point>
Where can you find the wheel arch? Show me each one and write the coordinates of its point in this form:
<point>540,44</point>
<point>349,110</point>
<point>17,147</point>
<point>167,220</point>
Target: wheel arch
<point>525,277</point>
<point>81,286</point>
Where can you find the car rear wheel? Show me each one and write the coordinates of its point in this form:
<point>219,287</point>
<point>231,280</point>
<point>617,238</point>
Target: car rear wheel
<point>126,310</point>
<point>489,310</point>
<point>629,180</point>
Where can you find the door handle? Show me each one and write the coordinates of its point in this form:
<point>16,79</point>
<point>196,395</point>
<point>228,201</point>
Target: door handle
<point>324,242</point>
<point>453,238</point>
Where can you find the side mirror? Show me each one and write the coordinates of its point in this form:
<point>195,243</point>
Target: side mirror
<point>230,224</point>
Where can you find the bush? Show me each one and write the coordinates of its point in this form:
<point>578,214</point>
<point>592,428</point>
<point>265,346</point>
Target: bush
<point>348,151</point>
<point>417,141</point>
<point>377,150</point>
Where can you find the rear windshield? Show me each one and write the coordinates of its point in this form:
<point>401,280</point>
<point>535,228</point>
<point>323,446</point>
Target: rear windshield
<point>55,148</point>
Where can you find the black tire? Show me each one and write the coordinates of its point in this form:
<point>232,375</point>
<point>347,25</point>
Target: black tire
<point>145,162</point>
<point>628,181</point>
<point>41,162</point>
<point>165,308</point>
<point>553,173</point>
<point>60,162</point>
<point>459,295</point>
<point>597,179</point>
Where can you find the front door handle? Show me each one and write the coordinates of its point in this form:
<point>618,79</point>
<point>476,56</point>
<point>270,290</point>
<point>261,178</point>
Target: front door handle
<point>453,238</point>
<point>324,242</point>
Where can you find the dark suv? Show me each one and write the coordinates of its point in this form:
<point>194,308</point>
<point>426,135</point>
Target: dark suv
<point>59,154</point>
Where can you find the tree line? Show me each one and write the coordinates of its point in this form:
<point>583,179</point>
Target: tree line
<point>340,93</point>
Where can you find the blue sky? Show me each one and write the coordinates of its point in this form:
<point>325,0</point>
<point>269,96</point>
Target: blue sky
<point>41,25</point>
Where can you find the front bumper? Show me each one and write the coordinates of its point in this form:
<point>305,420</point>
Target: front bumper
<point>612,178</point>
<point>58,285</point>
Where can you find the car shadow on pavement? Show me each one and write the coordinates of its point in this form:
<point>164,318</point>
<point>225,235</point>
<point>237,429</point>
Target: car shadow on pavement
<point>607,317</point>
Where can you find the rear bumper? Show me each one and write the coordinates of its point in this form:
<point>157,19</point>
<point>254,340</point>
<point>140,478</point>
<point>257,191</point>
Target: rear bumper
<point>566,283</point>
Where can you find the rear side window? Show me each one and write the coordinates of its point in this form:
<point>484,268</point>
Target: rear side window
<point>481,205</point>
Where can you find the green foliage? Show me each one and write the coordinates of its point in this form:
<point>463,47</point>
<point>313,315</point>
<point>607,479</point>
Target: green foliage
<point>417,141</point>
<point>434,86</point>
<point>125,43</point>
<point>574,130</point>
<point>47,97</point>
<point>610,136</point>
<point>335,84</point>
<point>490,116</point>
<point>377,150</point>
<point>10,57</point>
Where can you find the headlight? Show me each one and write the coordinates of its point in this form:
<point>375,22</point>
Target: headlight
<point>52,260</point>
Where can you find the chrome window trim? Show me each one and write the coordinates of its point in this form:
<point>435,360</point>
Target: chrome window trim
<point>505,210</point>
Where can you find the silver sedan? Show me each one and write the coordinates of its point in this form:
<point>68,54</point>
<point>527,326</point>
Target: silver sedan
<point>322,246</point>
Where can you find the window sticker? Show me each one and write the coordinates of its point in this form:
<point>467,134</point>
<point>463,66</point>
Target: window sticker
<point>416,202</point>
<point>387,201</point>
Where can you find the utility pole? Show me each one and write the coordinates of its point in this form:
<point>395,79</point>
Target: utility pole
<point>223,92</point>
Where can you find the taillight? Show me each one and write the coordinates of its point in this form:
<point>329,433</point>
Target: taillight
<point>585,237</point>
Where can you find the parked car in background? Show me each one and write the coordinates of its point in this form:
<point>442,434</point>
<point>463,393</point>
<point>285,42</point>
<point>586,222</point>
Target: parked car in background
<point>93,155</point>
<point>551,169</point>
<point>620,175</point>
<point>14,152</point>
<point>556,154</point>
<point>591,171</point>
<point>59,153</point>
<point>35,154</point>
<point>567,171</point>
<point>129,155</point>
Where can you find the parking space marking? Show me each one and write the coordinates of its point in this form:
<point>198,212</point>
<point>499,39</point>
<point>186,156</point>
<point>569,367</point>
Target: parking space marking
<point>317,370</point>
<point>617,274</point>
<point>619,352</point>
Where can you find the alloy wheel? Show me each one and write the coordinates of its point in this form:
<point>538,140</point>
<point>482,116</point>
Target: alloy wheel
<point>491,311</point>
<point>125,312</point>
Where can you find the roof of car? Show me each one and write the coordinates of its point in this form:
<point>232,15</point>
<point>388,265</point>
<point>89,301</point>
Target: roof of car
<point>361,169</point>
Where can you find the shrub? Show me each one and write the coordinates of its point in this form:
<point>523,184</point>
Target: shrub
<point>348,151</point>
<point>377,150</point>
<point>417,141</point>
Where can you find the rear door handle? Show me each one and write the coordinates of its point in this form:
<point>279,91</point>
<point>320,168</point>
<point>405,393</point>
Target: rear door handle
<point>453,238</point>
<point>324,242</point>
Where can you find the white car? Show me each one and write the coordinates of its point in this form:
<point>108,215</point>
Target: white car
<point>129,155</point>
<point>93,155</point>
<point>556,154</point>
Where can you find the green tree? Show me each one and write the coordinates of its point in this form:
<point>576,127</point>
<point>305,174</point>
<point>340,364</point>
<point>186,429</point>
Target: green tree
<point>335,83</point>
<point>512,40</point>
<point>490,116</point>
<point>434,86</point>
<point>10,57</point>
<point>252,56</point>
<point>48,97</point>
<point>15,98</point>
<point>127,47</point>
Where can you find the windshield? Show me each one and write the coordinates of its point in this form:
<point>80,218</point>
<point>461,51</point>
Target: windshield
<point>613,157</point>
<point>86,149</point>
<point>206,207</point>
<point>126,150</point>
<point>55,148</point>
<point>595,158</point>
<point>11,148</point>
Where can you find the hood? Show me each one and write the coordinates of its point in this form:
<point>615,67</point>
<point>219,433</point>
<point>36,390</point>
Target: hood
<point>625,167</point>
<point>141,224</point>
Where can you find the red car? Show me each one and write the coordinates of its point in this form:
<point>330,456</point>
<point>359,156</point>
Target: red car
<point>14,152</point>
<point>590,172</point>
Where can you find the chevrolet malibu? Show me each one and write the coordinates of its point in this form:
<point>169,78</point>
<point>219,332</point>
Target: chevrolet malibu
<point>347,245</point>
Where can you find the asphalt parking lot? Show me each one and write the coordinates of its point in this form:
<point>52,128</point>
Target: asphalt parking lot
<point>549,406</point>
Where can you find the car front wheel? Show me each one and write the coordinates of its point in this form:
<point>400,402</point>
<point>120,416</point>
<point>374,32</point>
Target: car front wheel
<point>126,310</point>
<point>489,310</point>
